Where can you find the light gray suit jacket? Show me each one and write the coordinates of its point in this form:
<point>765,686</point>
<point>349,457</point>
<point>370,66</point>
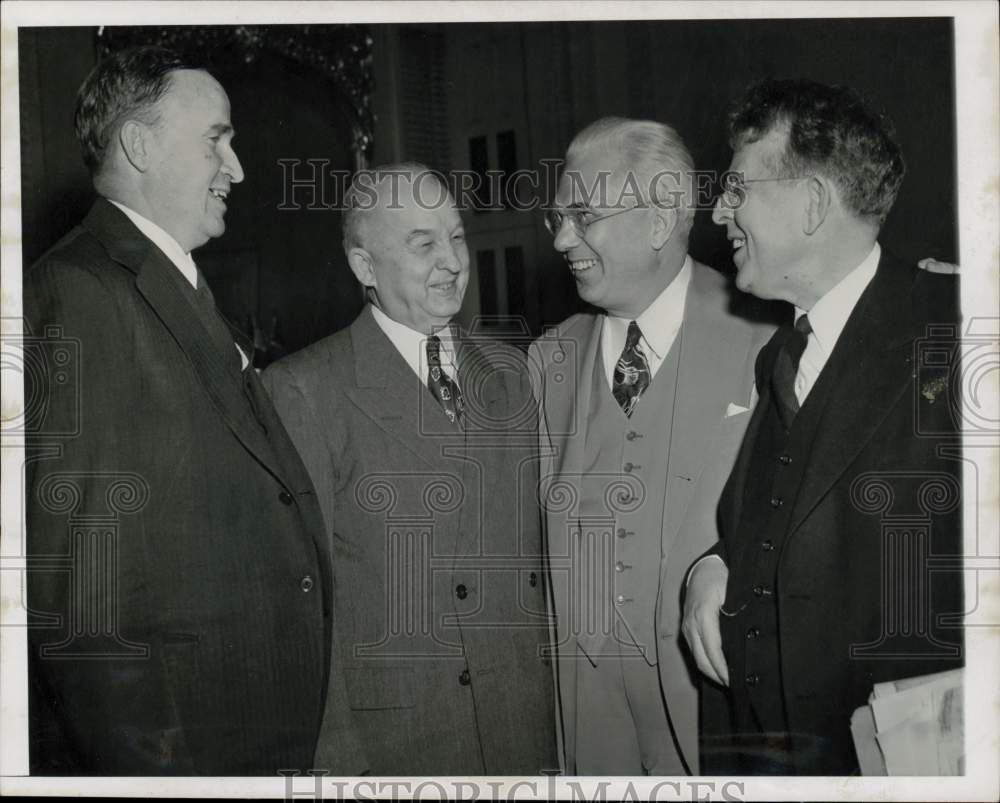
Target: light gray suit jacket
<point>714,387</point>
<point>435,534</point>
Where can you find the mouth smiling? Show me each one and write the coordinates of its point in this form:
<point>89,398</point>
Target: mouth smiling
<point>578,266</point>
<point>219,193</point>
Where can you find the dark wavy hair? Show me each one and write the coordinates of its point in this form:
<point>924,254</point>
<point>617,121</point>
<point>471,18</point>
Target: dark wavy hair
<point>832,130</point>
<point>125,85</point>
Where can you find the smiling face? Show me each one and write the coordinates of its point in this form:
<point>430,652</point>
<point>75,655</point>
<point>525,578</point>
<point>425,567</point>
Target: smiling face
<point>766,229</point>
<point>613,262</point>
<point>191,160</point>
<point>414,256</point>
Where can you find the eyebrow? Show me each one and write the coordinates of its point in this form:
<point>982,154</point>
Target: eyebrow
<point>417,233</point>
<point>221,128</point>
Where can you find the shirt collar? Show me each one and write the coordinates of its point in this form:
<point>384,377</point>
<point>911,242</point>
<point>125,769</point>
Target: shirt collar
<point>829,315</point>
<point>412,345</point>
<point>661,320</point>
<point>167,244</point>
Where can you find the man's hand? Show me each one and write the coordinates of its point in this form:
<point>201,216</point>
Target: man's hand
<point>706,592</point>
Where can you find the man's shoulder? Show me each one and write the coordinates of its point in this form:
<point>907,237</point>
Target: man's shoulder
<point>731,312</point>
<point>325,359</point>
<point>575,327</point>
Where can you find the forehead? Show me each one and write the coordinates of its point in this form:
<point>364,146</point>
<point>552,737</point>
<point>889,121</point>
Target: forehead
<point>195,91</point>
<point>408,204</point>
<point>760,158</point>
<point>592,179</point>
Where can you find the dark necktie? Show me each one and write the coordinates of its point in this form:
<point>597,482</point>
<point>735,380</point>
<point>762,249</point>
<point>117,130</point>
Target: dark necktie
<point>786,368</point>
<point>217,329</point>
<point>442,386</point>
<point>631,376</point>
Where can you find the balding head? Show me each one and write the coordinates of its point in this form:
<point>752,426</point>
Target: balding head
<point>405,243</point>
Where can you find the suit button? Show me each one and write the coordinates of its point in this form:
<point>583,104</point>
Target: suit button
<point>784,459</point>
<point>776,501</point>
<point>533,579</point>
<point>461,591</point>
<point>619,566</point>
<point>306,584</point>
<point>767,546</point>
<point>465,678</point>
<point>752,633</point>
<point>752,679</point>
<point>628,468</point>
<point>758,591</point>
<point>632,435</point>
<point>620,599</point>
<point>286,498</point>
<point>620,532</point>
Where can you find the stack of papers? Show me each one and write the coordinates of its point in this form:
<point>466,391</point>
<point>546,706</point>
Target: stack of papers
<point>912,727</point>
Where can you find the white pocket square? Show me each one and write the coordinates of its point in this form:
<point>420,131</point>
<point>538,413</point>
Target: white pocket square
<point>735,409</point>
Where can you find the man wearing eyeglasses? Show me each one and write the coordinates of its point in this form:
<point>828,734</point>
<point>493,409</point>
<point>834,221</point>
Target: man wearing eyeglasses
<point>846,489</point>
<point>643,407</point>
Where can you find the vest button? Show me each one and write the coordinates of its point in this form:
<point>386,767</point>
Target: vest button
<point>620,532</point>
<point>619,566</point>
<point>461,591</point>
<point>620,599</point>
<point>784,459</point>
<point>776,501</point>
<point>752,633</point>
<point>767,546</point>
<point>306,584</point>
<point>628,468</point>
<point>286,498</point>
<point>465,678</point>
<point>759,591</point>
<point>752,679</point>
<point>631,435</point>
<point>533,579</point>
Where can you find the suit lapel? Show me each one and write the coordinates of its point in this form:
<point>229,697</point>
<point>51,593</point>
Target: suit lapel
<point>568,401</point>
<point>156,281</point>
<point>711,356</point>
<point>388,392</point>
<point>870,367</point>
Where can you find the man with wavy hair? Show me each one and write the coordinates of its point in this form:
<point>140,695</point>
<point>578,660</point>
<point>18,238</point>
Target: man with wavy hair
<point>811,596</point>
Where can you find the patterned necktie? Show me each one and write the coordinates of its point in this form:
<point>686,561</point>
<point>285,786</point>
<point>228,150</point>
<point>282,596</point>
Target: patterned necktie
<point>442,386</point>
<point>631,377</point>
<point>786,368</point>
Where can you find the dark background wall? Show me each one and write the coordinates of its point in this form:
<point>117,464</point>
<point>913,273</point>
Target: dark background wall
<point>494,95</point>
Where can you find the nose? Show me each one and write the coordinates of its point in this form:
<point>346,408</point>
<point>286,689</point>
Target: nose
<point>566,237</point>
<point>721,212</point>
<point>231,166</point>
<point>453,257</point>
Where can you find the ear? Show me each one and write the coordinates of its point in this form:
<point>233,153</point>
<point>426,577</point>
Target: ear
<point>361,264</point>
<point>134,138</point>
<point>664,224</point>
<point>820,197</point>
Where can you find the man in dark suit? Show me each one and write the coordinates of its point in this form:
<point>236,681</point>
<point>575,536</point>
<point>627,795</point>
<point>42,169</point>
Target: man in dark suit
<point>179,584</point>
<point>421,444</point>
<point>839,562</point>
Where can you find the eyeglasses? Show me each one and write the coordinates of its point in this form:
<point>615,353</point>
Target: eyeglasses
<point>734,189</point>
<point>579,218</point>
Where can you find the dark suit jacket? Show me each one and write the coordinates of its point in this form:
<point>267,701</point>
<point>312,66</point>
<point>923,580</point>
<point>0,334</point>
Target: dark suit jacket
<point>437,547</point>
<point>192,635</point>
<point>885,460</point>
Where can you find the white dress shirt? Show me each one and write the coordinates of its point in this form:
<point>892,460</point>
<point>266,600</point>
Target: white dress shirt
<point>828,317</point>
<point>659,323</point>
<point>180,258</point>
<point>412,345</point>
